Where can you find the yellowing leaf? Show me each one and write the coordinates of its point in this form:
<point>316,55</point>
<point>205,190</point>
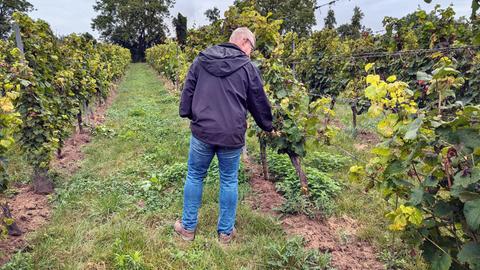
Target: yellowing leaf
<point>13,95</point>
<point>6,143</point>
<point>410,109</point>
<point>373,79</point>
<point>8,86</point>
<point>370,92</point>
<point>375,110</point>
<point>381,151</point>
<point>387,126</point>
<point>404,215</point>
<point>6,105</point>
<point>356,173</point>
<point>399,223</point>
<point>284,103</point>
<point>392,79</point>
<point>369,66</point>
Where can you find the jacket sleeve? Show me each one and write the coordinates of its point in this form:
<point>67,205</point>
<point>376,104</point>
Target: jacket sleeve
<point>257,101</point>
<point>188,91</point>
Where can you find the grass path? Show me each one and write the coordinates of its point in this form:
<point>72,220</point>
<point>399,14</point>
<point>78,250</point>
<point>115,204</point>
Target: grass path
<point>117,211</point>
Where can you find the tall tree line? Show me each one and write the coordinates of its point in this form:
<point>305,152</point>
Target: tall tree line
<point>180,24</point>
<point>133,24</point>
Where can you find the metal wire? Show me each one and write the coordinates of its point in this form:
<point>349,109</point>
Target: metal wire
<point>398,53</point>
<point>327,4</point>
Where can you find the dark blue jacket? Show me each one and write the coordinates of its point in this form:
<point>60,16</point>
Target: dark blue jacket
<point>221,86</point>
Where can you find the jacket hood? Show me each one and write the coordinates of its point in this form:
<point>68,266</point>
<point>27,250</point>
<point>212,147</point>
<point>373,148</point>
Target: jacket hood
<point>223,60</point>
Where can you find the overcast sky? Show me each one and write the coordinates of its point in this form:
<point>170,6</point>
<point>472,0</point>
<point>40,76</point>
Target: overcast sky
<point>68,16</point>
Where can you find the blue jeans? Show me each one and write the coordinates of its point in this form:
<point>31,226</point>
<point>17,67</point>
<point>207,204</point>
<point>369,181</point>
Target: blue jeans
<point>199,158</point>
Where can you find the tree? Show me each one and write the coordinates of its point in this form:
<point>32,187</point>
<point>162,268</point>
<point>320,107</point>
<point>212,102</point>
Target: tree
<point>242,4</point>
<point>357,21</point>
<point>133,24</point>
<point>475,8</point>
<point>7,8</point>
<point>298,15</point>
<point>180,24</point>
<point>213,14</point>
<point>475,17</point>
<point>330,20</point>
<point>354,29</point>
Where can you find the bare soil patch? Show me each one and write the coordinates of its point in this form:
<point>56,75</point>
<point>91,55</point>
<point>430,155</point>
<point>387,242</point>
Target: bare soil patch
<point>365,140</point>
<point>30,211</point>
<point>266,198</point>
<point>368,137</point>
<point>336,235</point>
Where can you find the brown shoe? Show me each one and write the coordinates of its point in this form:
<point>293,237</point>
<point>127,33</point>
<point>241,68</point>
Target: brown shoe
<point>227,238</point>
<point>185,234</point>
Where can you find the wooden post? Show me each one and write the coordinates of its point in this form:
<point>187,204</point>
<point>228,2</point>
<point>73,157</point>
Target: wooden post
<point>18,38</point>
<point>85,113</point>
<point>41,183</point>
<point>79,120</point>
<point>263,158</point>
<point>293,65</point>
<point>353,106</point>
<point>176,73</point>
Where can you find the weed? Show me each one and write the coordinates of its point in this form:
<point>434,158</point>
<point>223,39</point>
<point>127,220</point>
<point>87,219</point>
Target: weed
<point>138,112</point>
<point>297,205</point>
<point>102,130</point>
<point>292,255</point>
<point>19,261</point>
<point>326,162</point>
<point>344,237</point>
<point>393,260</point>
<point>322,188</point>
<point>126,259</point>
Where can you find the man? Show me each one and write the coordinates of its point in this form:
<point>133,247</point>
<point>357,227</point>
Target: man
<point>221,86</point>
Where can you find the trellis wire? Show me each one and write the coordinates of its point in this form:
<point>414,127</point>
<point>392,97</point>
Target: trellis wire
<point>398,53</point>
<point>327,4</point>
<point>390,54</point>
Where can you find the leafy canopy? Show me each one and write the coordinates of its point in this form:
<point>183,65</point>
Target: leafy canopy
<point>180,24</point>
<point>133,24</point>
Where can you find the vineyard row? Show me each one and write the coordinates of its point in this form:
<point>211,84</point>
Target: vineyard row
<point>46,88</point>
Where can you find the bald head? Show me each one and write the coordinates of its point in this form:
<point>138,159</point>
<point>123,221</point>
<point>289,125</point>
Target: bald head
<point>243,38</point>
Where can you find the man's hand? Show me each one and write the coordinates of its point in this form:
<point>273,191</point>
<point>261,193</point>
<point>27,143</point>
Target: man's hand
<point>274,133</point>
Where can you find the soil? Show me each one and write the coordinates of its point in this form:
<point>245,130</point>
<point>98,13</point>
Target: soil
<point>366,140</point>
<point>266,198</point>
<point>337,123</point>
<point>368,137</point>
<point>335,235</point>
<point>31,211</point>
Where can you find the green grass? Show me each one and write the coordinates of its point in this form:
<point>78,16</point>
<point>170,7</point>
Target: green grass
<point>117,211</point>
